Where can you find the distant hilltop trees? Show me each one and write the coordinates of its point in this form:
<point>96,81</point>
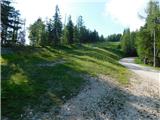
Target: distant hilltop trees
<point>53,32</point>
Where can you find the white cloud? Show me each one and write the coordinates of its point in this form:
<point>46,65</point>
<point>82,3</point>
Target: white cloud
<point>32,9</point>
<point>125,12</point>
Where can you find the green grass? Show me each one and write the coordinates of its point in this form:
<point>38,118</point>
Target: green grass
<point>138,61</point>
<point>25,84</point>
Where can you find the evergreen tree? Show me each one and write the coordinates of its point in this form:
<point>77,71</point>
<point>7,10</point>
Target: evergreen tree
<point>16,25</point>
<point>75,34</point>
<point>11,22</point>
<point>57,27</point>
<point>5,11</point>
<point>114,37</point>
<point>49,34</point>
<point>70,30</point>
<point>80,28</point>
<point>102,38</point>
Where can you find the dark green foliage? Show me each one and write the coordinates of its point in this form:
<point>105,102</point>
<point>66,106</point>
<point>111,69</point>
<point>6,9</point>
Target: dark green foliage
<point>57,27</point>
<point>145,36</point>
<point>95,36</point>
<point>133,50</point>
<point>49,35</point>
<point>79,33</point>
<point>102,38</point>
<point>70,30</point>
<point>76,34</point>
<point>144,45</point>
<point>5,10</point>
<point>114,37</point>
<point>80,27</point>
<point>11,23</point>
<point>128,43</point>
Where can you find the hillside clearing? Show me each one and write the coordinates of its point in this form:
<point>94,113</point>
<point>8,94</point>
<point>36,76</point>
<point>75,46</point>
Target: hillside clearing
<point>26,85</point>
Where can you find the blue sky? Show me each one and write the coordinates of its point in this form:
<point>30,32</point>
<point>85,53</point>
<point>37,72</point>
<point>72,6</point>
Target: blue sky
<point>106,16</point>
<point>95,18</point>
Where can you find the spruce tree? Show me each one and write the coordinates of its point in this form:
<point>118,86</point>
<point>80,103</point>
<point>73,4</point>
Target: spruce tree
<point>57,27</point>
<point>70,29</point>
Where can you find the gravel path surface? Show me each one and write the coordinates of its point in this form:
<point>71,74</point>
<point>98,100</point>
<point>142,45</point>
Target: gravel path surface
<point>144,72</point>
<point>145,90</point>
<point>104,99</point>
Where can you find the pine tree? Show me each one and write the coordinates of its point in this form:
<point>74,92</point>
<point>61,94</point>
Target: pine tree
<point>11,22</point>
<point>75,34</point>
<point>57,27</point>
<point>80,28</point>
<point>49,33</point>
<point>70,29</point>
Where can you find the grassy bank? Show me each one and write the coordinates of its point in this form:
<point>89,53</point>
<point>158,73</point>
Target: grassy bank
<point>138,61</point>
<point>43,77</point>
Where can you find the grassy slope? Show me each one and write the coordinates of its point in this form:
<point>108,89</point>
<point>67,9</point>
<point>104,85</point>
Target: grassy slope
<point>24,83</point>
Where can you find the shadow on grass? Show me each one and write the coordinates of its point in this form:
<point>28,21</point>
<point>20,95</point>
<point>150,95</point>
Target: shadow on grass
<point>25,84</point>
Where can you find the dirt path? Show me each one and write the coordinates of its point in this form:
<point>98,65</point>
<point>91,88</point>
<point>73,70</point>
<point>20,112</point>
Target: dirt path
<point>144,72</point>
<point>104,99</point>
<point>145,90</point>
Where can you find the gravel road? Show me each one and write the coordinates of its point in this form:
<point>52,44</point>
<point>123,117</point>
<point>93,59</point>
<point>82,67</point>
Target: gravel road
<point>103,98</point>
<point>145,72</point>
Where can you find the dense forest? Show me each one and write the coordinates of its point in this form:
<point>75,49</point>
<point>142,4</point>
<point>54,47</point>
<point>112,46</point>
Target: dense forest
<point>144,42</point>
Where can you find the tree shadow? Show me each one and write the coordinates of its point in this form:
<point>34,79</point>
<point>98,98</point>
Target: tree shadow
<point>126,105</point>
<point>25,84</point>
<point>117,103</point>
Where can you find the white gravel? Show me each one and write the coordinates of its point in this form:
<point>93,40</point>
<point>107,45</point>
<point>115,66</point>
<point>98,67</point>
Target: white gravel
<point>144,72</point>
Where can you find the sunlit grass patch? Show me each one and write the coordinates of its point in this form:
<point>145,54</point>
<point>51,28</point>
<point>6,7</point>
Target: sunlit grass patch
<point>3,61</point>
<point>18,79</point>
